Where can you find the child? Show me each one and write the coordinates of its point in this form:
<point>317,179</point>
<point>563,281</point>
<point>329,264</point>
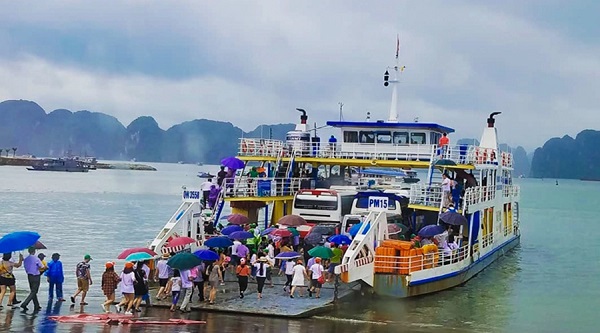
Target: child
<point>110,280</point>
<point>175,286</point>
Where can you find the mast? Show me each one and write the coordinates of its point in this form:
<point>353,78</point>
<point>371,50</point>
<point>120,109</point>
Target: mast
<point>393,117</point>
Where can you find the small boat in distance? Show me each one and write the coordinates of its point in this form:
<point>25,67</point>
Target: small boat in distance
<point>60,164</point>
<point>203,174</point>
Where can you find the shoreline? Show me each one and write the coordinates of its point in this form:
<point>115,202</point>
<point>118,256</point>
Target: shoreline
<point>29,161</point>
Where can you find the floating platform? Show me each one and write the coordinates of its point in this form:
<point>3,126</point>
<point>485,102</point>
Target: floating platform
<point>274,301</point>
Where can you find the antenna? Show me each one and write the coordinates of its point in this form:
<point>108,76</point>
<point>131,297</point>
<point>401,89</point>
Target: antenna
<point>341,114</point>
<point>368,115</point>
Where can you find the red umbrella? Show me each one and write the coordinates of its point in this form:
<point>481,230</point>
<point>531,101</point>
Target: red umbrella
<point>238,219</point>
<point>39,246</point>
<point>281,233</point>
<point>292,221</point>
<point>180,241</point>
<point>127,252</point>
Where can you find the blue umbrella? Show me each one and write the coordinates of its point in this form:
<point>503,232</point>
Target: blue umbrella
<point>340,239</point>
<point>218,242</point>
<point>354,229</point>
<point>207,255</point>
<point>267,231</point>
<point>17,241</point>
<point>430,231</point>
<point>453,218</point>
<point>288,255</point>
<point>139,256</point>
<point>240,235</point>
<point>232,163</point>
<point>230,229</point>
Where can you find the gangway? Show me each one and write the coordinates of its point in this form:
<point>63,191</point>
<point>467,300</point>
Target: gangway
<point>186,221</point>
<point>358,262</point>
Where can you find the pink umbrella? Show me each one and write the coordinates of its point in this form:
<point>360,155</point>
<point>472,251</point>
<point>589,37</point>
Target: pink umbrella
<point>127,252</point>
<point>292,221</point>
<point>180,241</point>
<point>281,233</point>
<point>39,246</point>
<point>238,219</point>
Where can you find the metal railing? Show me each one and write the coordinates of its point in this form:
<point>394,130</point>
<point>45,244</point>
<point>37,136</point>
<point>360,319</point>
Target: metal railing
<point>511,191</point>
<point>477,194</point>
<point>487,240</point>
<point>426,195</point>
<point>409,264</point>
<point>245,186</point>
<point>260,147</point>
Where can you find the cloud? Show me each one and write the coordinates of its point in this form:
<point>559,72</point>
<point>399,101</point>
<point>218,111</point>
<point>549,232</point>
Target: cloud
<point>255,62</point>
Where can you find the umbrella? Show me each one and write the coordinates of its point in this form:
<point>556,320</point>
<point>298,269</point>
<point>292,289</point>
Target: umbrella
<point>219,242</point>
<point>127,252</point>
<point>354,229</point>
<point>430,231</point>
<point>240,235</point>
<point>207,255</point>
<point>39,246</point>
<point>321,252</point>
<point>288,255</point>
<point>238,219</point>
<point>313,238</point>
<point>281,233</point>
<point>340,239</point>
<point>179,241</point>
<point>445,162</point>
<point>184,260</point>
<point>232,228</point>
<point>232,163</point>
<point>267,231</point>
<point>294,231</point>
<point>453,218</point>
<point>292,221</point>
<point>139,256</point>
<point>396,228</point>
<point>17,241</point>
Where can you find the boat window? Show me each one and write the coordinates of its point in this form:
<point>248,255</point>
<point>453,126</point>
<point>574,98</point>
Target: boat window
<point>384,137</point>
<point>400,138</point>
<point>367,137</point>
<point>417,138</point>
<point>434,138</point>
<point>350,136</point>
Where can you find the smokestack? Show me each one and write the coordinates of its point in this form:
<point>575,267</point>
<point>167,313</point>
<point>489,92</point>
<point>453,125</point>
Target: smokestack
<point>303,117</point>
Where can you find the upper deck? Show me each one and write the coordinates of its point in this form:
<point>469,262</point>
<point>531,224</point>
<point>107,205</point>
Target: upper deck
<point>370,154</point>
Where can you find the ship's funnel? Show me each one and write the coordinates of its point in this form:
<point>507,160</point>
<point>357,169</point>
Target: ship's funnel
<point>491,120</point>
<point>489,138</point>
<point>303,117</point>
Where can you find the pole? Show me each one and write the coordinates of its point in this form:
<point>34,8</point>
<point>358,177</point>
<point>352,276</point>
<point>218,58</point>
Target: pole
<point>341,115</point>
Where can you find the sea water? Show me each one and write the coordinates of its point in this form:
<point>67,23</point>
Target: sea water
<point>547,284</point>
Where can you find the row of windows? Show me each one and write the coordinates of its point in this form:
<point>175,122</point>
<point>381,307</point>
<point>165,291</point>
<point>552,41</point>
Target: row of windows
<point>397,138</point>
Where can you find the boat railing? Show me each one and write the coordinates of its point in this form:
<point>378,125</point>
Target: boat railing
<point>480,155</point>
<point>417,261</point>
<point>487,240</point>
<point>426,195</point>
<point>245,186</point>
<point>260,147</point>
<point>477,194</point>
<point>511,191</point>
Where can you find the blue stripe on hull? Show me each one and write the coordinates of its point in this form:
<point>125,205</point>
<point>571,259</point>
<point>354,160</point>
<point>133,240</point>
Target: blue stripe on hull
<point>394,285</point>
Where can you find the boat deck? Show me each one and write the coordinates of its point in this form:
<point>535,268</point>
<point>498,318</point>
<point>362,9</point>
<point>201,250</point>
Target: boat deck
<point>275,302</point>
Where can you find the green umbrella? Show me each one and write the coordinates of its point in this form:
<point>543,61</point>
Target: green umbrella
<point>294,231</point>
<point>321,252</point>
<point>184,260</point>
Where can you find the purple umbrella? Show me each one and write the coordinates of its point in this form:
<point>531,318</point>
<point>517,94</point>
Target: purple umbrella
<point>430,231</point>
<point>232,163</point>
<point>453,218</point>
<point>230,229</point>
<point>267,231</point>
<point>240,235</point>
<point>288,255</point>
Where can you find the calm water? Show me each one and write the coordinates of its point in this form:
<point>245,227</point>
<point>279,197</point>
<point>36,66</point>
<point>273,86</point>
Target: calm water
<point>548,284</point>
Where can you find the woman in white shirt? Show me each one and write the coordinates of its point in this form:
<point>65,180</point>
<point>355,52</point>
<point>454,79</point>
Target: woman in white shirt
<point>261,273</point>
<point>127,282</point>
<point>299,274</point>
<point>316,272</point>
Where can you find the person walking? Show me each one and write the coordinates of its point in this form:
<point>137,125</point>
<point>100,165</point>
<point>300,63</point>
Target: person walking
<point>140,288</point>
<point>109,283</point>
<point>199,281</point>
<point>33,265</point>
<point>7,278</point>
<point>163,275</point>
<point>214,277</point>
<point>84,279</point>
<point>55,277</point>
<point>127,289</point>
<point>298,279</point>
<point>243,272</point>
<point>146,297</point>
<point>261,274</point>
<point>175,286</point>
<point>289,275</point>
<point>187,289</point>
<point>317,278</point>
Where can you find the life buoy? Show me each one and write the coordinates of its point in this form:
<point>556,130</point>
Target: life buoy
<point>373,162</point>
<point>508,162</point>
<point>244,146</point>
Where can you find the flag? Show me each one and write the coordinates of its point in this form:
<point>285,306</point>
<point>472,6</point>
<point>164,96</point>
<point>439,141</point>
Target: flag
<point>397,46</point>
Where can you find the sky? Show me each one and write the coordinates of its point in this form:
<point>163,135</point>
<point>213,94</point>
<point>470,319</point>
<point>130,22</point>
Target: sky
<point>254,62</point>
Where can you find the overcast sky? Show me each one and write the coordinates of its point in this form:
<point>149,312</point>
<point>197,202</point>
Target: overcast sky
<point>253,62</point>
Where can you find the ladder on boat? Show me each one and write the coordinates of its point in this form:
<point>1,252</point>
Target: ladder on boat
<point>358,262</point>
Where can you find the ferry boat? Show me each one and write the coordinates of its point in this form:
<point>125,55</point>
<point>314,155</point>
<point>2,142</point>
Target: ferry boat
<point>61,164</point>
<point>309,177</point>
